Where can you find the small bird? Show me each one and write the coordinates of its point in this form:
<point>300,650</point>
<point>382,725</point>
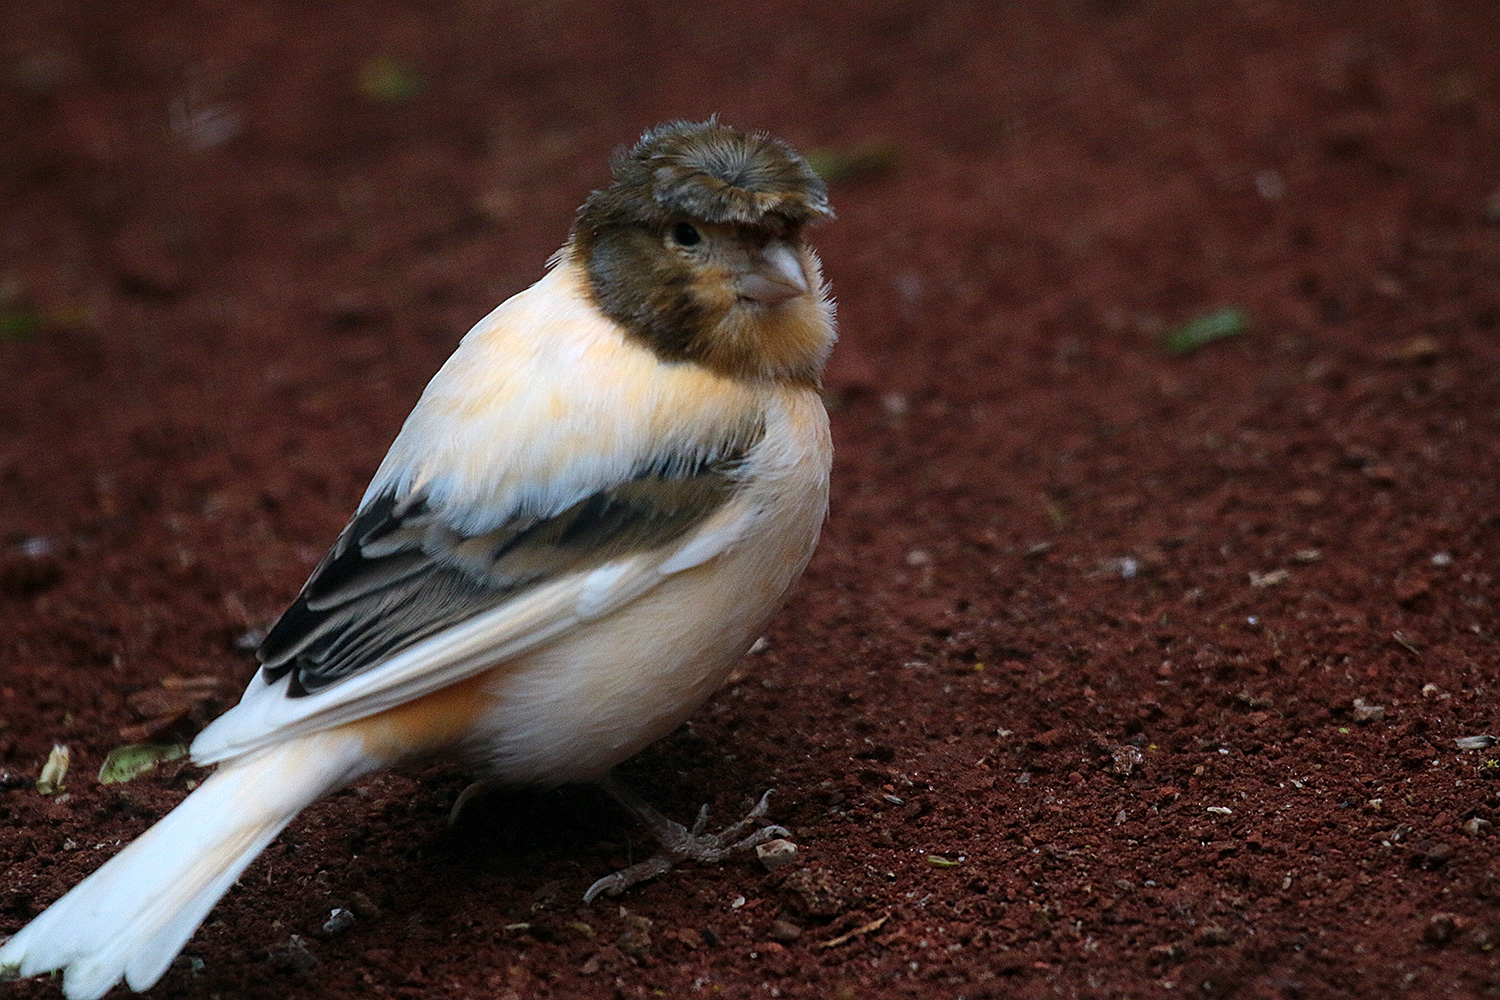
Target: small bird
<point>595,507</point>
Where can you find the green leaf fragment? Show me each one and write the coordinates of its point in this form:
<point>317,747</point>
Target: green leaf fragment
<point>17,325</point>
<point>937,861</point>
<point>1205,329</point>
<point>835,165</point>
<point>387,79</point>
<point>129,762</point>
<point>50,781</point>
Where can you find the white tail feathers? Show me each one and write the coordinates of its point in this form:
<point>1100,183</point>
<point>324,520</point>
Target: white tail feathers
<point>129,919</point>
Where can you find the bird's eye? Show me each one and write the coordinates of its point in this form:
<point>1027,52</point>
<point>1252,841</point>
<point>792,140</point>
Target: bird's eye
<point>685,235</point>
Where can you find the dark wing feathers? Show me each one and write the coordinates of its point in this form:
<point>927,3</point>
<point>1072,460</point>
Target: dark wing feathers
<point>398,573</point>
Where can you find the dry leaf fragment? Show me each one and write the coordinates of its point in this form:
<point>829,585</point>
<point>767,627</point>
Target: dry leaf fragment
<point>50,781</point>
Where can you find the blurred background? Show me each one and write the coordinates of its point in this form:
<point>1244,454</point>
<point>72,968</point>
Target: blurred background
<point>1167,406</point>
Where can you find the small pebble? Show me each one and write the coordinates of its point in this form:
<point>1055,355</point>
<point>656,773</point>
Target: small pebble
<point>364,908</point>
<point>191,963</point>
<point>294,956</point>
<point>1438,855</point>
<point>37,547</point>
<point>774,854</point>
<point>339,921</point>
<point>635,939</point>
<point>784,931</point>
<point>1366,712</point>
<point>1482,742</point>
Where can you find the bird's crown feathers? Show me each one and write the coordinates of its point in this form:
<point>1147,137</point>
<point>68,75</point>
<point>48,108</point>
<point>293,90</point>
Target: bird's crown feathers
<point>709,172</point>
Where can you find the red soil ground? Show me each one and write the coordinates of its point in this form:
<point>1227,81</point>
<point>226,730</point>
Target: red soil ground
<point>1067,703</point>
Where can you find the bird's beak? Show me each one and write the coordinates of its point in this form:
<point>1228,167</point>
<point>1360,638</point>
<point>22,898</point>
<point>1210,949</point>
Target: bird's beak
<point>775,275</point>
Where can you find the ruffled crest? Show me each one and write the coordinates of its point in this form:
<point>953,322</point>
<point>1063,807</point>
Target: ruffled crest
<point>712,173</point>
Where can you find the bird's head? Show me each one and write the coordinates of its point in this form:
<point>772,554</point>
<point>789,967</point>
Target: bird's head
<point>696,249</point>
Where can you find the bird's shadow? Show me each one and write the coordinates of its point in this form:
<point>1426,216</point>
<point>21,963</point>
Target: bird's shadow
<point>518,852</point>
<point>511,858</point>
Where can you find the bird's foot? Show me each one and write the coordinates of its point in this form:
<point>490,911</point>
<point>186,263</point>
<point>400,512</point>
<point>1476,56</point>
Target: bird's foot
<point>677,842</point>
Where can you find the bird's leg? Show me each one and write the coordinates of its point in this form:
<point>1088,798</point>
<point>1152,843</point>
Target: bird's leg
<point>676,841</point>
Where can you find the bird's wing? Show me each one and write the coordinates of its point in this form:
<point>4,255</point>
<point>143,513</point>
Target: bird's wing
<point>400,573</point>
<point>453,564</point>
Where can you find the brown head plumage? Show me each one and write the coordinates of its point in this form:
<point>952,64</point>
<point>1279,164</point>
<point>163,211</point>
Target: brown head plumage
<point>710,172</point>
<point>696,251</point>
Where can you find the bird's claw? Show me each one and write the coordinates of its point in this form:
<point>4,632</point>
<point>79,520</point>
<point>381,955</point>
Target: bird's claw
<point>678,843</point>
<point>473,790</point>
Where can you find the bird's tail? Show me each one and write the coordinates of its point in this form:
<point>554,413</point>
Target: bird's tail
<point>129,919</point>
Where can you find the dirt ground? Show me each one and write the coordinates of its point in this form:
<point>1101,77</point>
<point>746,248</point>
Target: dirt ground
<point>1119,673</point>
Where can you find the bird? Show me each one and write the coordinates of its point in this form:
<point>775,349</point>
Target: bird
<point>595,507</point>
